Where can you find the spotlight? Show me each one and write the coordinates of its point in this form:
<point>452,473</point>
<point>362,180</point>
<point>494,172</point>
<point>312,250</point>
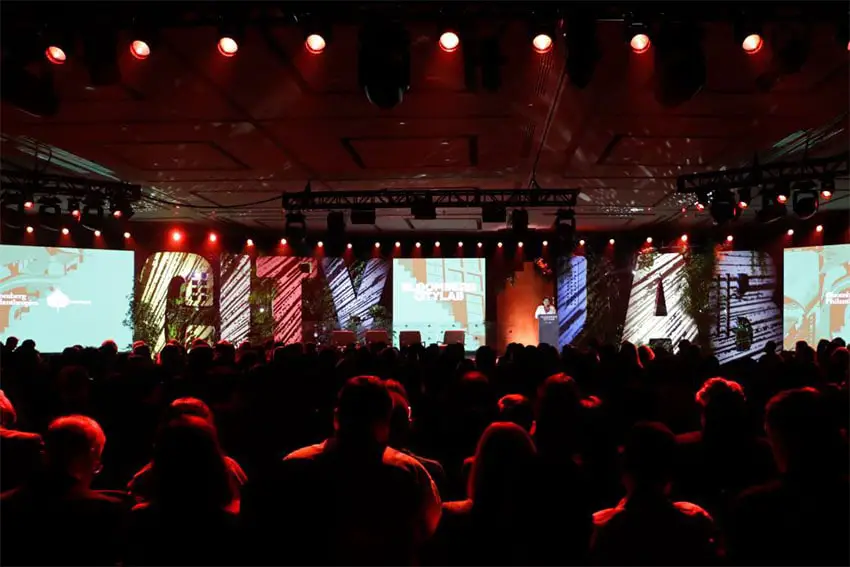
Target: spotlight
<point>680,66</point>
<point>581,242</point>
<point>419,245</point>
<point>97,233</point>
<point>249,243</point>
<point>752,44</point>
<point>65,231</point>
<point>519,244</point>
<point>730,238</point>
<point>611,242</point>
<point>120,207</point>
<point>377,245</point>
<point>545,243</point>
<point>212,237</point>
<point>790,232</point>
<point>565,227</point>
<point>315,43</point>
<point>30,230</point>
<point>295,227</point>
<point>827,186</point>
<point>176,236</point>
<point>819,228</point>
<point>782,192</point>
<point>542,43</point>
<point>805,201</point>
<point>684,238</point>
<point>744,196</point>
<point>126,236</point>
<point>480,244</point>
<point>700,207</point>
<point>449,41</point>
<point>649,240</point>
<point>460,244</point>
<point>437,244</point>
<point>55,54</point>
<point>772,208</point>
<point>384,64</point>
<point>283,242</point>
<point>637,34</point>
<point>724,207</point>
<point>228,46</point>
<point>349,246</point>
<point>397,244</point>
<point>499,244</point>
<point>140,49</point>
<point>28,203</point>
<point>748,35</point>
<point>320,244</point>
<point>826,194</point>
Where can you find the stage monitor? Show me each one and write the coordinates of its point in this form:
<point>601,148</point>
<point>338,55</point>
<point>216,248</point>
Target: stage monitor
<point>817,294</point>
<point>61,297</point>
<point>435,295</point>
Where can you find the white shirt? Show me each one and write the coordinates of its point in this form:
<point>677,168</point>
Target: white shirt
<point>541,310</point>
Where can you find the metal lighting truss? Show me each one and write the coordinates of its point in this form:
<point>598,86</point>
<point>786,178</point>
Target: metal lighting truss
<point>445,198</point>
<point>63,186</point>
<point>770,174</point>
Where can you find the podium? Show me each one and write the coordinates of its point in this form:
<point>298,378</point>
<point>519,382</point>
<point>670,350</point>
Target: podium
<point>547,329</point>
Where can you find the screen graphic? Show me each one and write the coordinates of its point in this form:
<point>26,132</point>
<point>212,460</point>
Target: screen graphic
<point>65,296</point>
<point>817,294</point>
<point>435,295</point>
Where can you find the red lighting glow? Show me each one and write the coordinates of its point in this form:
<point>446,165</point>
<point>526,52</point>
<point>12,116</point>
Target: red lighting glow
<point>213,237</point>
<point>730,238</point>
<point>545,243</point>
<point>519,244</point>
<point>826,194</point>
<point>743,204</point>
<point>176,235</point>
<point>315,43</point>
<point>283,242</point>
<point>377,245</point>
<point>611,242</point>
<point>460,244</point>
<point>649,240</point>
<point>227,46</point>
<point>752,43</point>
<point>397,244</point>
<point>499,244</point>
<point>449,41</point>
<point>65,231</point>
<point>126,236</point>
<point>55,55</point>
<point>790,232</point>
<point>819,228</point>
<point>75,213</point>
<point>116,214</point>
<point>30,230</point>
<point>684,238</point>
<point>700,207</point>
<point>97,234</point>
<point>437,244</point>
<point>349,246</point>
<point>542,43</point>
<point>320,244</point>
<point>581,242</point>
<point>419,245</point>
<point>480,244</point>
<point>140,50</point>
<point>28,204</point>
<point>640,43</point>
<point>782,199</point>
<point>249,243</point>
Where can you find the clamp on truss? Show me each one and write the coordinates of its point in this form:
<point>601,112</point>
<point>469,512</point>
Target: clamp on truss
<point>446,198</point>
<point>783,172</point>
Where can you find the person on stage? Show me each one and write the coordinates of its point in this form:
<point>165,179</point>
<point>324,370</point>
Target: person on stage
<point>547,308</point>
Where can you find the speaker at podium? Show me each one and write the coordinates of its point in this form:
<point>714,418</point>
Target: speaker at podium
<point>547,329</point>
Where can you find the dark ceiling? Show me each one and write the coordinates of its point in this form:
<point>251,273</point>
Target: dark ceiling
<point>197,128</point>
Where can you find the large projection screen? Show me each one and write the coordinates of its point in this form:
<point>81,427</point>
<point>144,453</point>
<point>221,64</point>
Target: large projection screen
<point>434,295</point>
<point>65,296</point>
<point>817,294</point>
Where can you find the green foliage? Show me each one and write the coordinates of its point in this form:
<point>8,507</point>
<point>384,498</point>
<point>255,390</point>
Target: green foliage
<point>140,320</point>
<point>696,297</point>
<point>318,308</point>
<point>603,294</point>
<point>382,319</point>
<point>261,299</point>
<point>646,259</point>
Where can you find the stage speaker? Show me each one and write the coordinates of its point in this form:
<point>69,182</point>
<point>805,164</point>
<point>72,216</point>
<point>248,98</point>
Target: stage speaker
<point>305,267</point>
<point>378,336</point>
<point>343,338</point>
<point>409,338</point>
<point>454,337</point>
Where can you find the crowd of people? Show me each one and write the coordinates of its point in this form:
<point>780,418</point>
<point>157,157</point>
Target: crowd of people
<point>294,454</point>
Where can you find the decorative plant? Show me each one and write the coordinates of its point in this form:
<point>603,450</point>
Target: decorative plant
<point>696,297</point>
<point>318,308</point>
<point>382,319</point>
<point>603,295</point>
<point>646,259</point>
<point>140,320</point>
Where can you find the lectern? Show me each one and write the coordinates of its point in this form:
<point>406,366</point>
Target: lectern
<point>547,330</point>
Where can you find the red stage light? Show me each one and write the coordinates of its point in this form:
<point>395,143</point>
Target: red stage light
<point>752,43</point>
<point>419,245</point>
<point>826,194</point>
<point>176,235</point>
<point>437,244</point>
<point>499,244</point>
<point>28,204</point>
<point>819,228</point>
<point>397,244</point>
<point>460,244</point>
<point>315,43</point>
<point>140,50</point>
<point>283,242</point>
<point>126,236</point>
<point>743,204</point>
<point>377,245</point>
<point>349,246</point>
<point>581,242</point>
<point>519,244</point>
<point>782,198</point>
<point>790,232</point>
<point>480,244</point>
<point>611,242</point>
<point>75,213</point>
<point>249,243</point>
<point>213,237</point>
<point>30,230</point>
<point>449,41</point>
<point>55,55</point>
<point>649,240</point>
<point>640,43</point>
<point>545,243</point>
<point>116,214</point>
<point>542,43</point>
<point>97,233</point>
<point>320,244</point>
<point>684,238</point>
<point>700,207</point>
<point>227,46</point>
<point>65,231</point>
<point>730,238</point>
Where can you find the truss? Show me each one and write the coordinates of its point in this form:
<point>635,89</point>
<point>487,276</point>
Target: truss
<point>445,198</point>
<point>808,170</point>
<point>64,186</point>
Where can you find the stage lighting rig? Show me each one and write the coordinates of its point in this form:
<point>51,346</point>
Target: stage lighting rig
<point>384,63</point>
<point>50,212</point>
<point>805,200</point>
<point>772,209</point>
<point>565,227</point>
<point>424,209</point>
<point>724,207</point>
<point>296,227</point>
